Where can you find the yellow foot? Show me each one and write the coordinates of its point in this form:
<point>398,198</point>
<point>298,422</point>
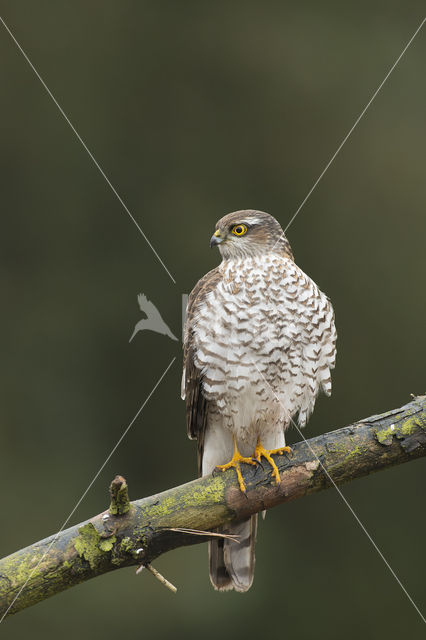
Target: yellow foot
<point>237,458</point>
<point>267,453</point>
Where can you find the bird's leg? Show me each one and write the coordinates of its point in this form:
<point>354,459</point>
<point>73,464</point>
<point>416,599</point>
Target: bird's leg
<point>237,458</point>
<point>267,453</point>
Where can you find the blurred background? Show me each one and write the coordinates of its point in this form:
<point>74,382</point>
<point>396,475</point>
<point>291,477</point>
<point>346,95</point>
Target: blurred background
<point>194,109</point>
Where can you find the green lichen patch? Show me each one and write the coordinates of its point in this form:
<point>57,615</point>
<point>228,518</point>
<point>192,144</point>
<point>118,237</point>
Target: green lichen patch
<point>211,492</point>
<point>385,436</point>
<point>412,424</point>
<point>356,451</point>
<point>124,549</point>
<point>126,545</point>
<point>107,544</point>
<point>400,431</point>
<point>91,546</point>
<point>199,501</point>
<point>201,496</point>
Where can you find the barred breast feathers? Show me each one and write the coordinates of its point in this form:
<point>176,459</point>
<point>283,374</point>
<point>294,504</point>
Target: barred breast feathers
<point>262,334</point>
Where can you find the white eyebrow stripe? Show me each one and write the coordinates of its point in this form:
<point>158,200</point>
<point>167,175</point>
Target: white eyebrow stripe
<point>251,221</point>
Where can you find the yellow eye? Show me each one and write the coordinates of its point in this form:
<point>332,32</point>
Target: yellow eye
<point>239,230</point>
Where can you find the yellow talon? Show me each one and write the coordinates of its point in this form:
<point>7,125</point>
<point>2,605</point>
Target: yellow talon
<point>267,453</point>
<point>237,458</point>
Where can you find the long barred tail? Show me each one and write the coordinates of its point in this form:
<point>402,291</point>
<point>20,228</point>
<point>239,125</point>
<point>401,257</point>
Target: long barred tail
<point>232,563</point>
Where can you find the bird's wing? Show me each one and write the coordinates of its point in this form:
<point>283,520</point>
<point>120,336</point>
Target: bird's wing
<point>318,334</point>
<point>192,378</point>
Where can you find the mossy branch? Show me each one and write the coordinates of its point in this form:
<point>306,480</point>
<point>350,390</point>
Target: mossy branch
<point>135,533</point>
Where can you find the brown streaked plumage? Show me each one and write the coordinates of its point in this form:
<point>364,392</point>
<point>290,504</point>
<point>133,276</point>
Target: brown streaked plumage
<point>259,346</point>
<point>196,403</point>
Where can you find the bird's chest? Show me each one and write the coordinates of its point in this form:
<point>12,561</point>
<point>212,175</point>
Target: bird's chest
<point>245,325</point>
<point>252,308</point>
<point>248,309</point>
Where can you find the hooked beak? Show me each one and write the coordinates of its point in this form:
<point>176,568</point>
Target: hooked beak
<point>215,239</point>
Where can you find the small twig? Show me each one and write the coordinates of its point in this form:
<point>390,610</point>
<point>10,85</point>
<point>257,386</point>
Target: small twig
<point>119,497</point>
<point>157,575</point>
<point>209,534</point>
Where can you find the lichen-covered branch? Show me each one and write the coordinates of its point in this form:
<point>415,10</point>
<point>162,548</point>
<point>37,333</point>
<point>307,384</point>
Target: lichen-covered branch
<point>135,533</point>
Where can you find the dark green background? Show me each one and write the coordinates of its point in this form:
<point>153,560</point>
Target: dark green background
<point>195,109</point>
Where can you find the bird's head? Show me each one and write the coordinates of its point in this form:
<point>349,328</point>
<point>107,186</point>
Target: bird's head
<point>249,233</point>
